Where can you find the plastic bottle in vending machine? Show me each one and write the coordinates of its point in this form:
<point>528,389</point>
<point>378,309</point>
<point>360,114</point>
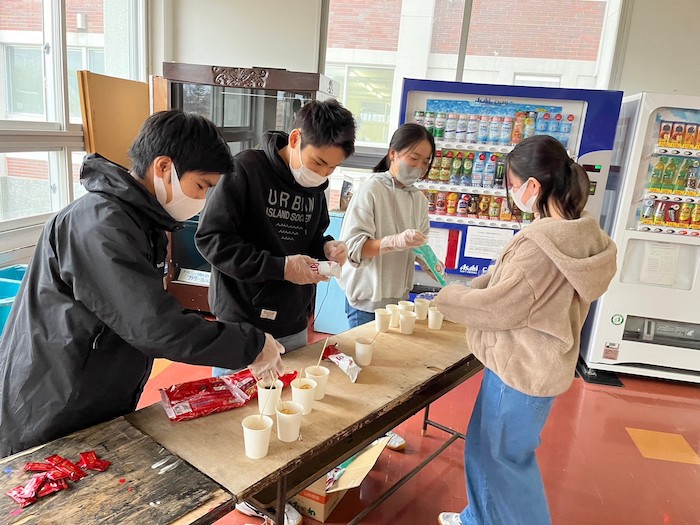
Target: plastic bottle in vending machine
<point>691,136</point>
<point>554,126</point>
<point>451,127</point>
<point>660,213</point>
<point>669,175</point>
<point>431,194</point>
<point>440,203</point>
<point>495,208</point>
<point>429,122</point>
<point>542,124</point>
<point>506,131</point>
<point>495,129</point>
<point>677,133</point>
<point>456,169</point>
<point>440,121</point>
<point>518,127</point>
<point>478,169</point>
<point>657,173</point>
<point>483,132</point>
<point>565,130</point>
<point>473,207</point>
<point>446,167</point>
<point>530,123</point>
<point>489,172</point>
<point>695,217</point>
<point>473,129</point>
<point>665,130</point>
<point>467,166</point>
<point>682,176</point>
<point>434,173</point>
<point>506,214</point>
<point>684,214</point>
<point>647,214</point>
<point>419,117</point>
<point>462,124</point>
<point>484,202</point>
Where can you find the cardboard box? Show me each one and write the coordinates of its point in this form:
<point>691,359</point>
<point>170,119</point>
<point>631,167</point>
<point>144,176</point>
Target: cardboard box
<point>316,502</point>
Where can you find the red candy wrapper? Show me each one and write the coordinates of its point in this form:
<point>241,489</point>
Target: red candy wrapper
<point>15,494</point>
<point>68,467</point>
<point>89,460</point>
<point>39,467</point>
<point>211,395</point>
<point>30,489</point>
<point>51,486</point>
<point>345,362</point>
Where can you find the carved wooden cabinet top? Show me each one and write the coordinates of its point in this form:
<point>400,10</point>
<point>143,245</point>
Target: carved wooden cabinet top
<point>250,78</point>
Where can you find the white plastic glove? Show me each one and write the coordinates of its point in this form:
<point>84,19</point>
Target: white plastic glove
<point>297,271</point>
<point>268,361</point>
<point>402,241</point>
<point>336,251</point>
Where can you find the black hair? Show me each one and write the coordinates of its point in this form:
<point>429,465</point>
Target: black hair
<point>192,142</point>
<point>326,123</point>
<point>405,137</point>
<point>562,180</point>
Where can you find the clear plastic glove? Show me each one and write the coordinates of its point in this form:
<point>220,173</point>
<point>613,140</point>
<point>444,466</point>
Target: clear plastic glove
<point>402,241</point>
<point>297,270</point>
<point>268,361</point>
<point>336,251</point>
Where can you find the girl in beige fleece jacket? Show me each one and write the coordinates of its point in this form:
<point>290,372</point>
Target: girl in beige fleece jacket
<point>524,321</point>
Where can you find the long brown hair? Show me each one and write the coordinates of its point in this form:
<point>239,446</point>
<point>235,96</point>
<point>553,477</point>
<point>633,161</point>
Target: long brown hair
<point>403,138</point>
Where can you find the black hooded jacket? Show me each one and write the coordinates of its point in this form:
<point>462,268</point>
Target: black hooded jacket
<point>252,220</point>
<point>92,314</point>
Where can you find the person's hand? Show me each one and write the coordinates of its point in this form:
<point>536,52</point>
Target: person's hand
<point>336,251</point>
<point>297,271</point>
<point>402,241</point>
<point>268,360</point>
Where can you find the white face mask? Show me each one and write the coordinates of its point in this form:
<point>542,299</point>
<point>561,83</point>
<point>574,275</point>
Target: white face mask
<point>518,198</point>
<point>181,207</point>
<point>408,175</point>
<point>304,176</point>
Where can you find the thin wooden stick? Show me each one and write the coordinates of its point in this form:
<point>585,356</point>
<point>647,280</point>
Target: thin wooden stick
<point>320,358</point>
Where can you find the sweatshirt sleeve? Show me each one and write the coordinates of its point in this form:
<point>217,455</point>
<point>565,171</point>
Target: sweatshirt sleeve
<point>504,306</point>
<point>219,238</point>
<point>320,239</point>
<point>358,225</point>
<point>482,281</point>
<point>111,275</point>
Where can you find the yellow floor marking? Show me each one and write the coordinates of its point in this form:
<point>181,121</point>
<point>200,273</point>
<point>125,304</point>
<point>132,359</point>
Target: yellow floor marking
<point>663,445</point>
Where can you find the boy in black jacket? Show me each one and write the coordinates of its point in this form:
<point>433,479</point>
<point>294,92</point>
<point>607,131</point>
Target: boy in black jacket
<point>264,225</point>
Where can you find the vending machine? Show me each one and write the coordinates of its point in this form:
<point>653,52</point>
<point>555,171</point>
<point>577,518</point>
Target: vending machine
<point>648,322</point>
<point>475,126</point>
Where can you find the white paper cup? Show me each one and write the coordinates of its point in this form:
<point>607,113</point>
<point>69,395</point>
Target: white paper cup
<point>364,349</point>
<point>304,396</point>
<point>256,435</point>
<point>421,309</point>
<point>288,425</point>
<point>394,309</point>
<point>269,397</point>
<point>406,306</point>
<point>320,375</point>
<point>326,268</point>
<point>407,322</point>
<point>382,319</point>
<point>435,318</point>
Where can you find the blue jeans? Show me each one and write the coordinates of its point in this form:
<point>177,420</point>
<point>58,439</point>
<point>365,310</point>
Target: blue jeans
<point>504,484</point>
<point>357,317</point>
<point>289,342</point>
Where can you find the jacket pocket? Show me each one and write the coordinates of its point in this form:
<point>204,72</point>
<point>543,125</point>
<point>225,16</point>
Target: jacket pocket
<point>282,302</point>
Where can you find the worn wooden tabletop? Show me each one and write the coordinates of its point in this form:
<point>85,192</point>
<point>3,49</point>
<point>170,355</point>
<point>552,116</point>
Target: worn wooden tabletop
<point>401,366</point>
<point>145,484</point>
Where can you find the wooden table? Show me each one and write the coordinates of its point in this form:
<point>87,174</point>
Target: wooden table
<point>407,373</point>
<point>145,484</point>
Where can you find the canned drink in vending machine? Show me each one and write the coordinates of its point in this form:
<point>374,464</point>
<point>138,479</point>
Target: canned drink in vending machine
<point>419,117</point>
<point>446,167</point>
<point>542,123</point>
<point>665,130</point>
<point>434,173</point>
<point>441,203</point>
<point>430,195</point>
<point>677,133</point>
<point>500,174</point>
<point>452,199</point>
<point>484,203</point>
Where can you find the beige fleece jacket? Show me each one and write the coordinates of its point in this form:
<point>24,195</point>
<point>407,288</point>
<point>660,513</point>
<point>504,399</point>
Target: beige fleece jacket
<point>524,317</point>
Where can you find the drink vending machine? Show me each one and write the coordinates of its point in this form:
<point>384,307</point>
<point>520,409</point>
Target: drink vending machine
<point>648,322</point>
<point>475,126</point>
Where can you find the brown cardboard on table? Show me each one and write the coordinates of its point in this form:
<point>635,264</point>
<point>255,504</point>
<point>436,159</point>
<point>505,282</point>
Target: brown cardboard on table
<point>316,502</point>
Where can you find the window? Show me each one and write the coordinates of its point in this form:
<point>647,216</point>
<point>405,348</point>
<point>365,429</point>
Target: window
<point>546,43</point>
<point>43,43</point>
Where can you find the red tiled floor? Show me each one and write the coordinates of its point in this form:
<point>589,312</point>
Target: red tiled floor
<point>593,472</point>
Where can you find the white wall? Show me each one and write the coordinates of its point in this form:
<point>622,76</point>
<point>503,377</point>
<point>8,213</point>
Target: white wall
<point>661,52</point>
<point>244,33</point>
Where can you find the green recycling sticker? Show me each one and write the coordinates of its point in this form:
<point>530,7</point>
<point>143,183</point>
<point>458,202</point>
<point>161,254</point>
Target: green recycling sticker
<point>617,319</point>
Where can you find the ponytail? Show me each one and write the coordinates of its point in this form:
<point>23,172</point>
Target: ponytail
<point>383,165</point>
